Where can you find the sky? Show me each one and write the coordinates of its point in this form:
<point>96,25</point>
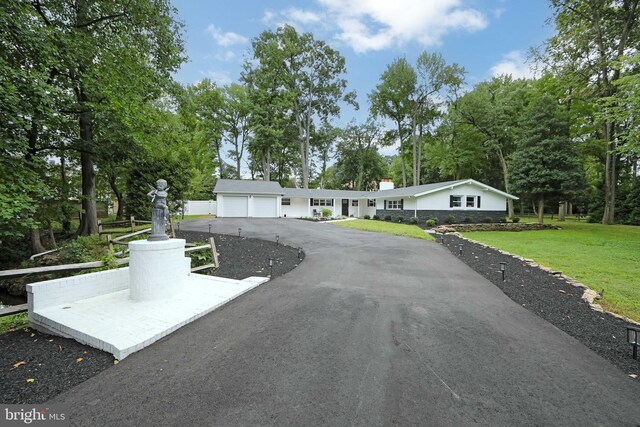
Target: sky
<point>486,37</point>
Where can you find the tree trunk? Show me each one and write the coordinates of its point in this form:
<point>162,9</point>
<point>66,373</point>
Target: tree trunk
<point>610,176</point>
<point>64,195</point>
<point>541,210</point>
<point>89,223</point>
<point>505,176</point>
<point>562,210</point>
<point>266,165</point>
<point>419,162</point>
<point>404,165</point>
<point>535,210</point>
<point>116,191</point>
<point>414,141</point>
<point>36,243</point>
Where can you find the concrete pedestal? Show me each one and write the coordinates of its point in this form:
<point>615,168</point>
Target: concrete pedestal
<point>157,269</point>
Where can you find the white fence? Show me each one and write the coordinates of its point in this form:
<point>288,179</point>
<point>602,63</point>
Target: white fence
<point>200,207</point>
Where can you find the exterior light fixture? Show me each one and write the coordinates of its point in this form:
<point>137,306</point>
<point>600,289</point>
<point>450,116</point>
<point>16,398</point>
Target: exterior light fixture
<point>270,267</point>
<point>178,226</point>
<point>442,239</point>
<point>460,249</point>
<point>209,228</point>
<point>632,338</point>
<point>503,268</point>
<point>299,253</point>
<point>239,231</point>
<point>277,239</point>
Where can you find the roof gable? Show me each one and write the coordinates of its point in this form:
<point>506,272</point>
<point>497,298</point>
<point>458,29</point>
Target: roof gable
<point>247,186</point>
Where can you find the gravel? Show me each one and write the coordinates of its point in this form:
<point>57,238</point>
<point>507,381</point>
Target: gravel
<point>552,298</point>
<point>57,364</point>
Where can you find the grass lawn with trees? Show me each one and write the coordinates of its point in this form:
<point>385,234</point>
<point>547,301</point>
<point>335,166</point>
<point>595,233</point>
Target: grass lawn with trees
<point>386,227</point>
<point>600,256</point>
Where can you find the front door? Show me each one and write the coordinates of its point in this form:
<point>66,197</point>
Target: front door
<point>345,207</point>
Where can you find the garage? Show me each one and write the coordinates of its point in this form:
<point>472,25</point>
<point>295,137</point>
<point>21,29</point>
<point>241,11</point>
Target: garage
<point>235,206</point>
<point>265,207</point>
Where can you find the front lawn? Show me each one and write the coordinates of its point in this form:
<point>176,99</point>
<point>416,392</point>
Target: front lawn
<point>600,256</point>
<point>385,227</point>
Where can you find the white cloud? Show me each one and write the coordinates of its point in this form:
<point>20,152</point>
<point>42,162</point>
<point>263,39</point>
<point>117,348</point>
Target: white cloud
<point>497,13</point>
<point>375,25</point>
<point>367,25</point>
<point>226,56</point>
<point>220,77</point>
<point>515,64</point>
<point>225,39</point>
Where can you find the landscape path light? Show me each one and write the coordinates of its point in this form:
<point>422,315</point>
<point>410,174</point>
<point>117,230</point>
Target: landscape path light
<point>209,228</point>
<point>503,268</point>
<point>277,239</point>
<point>239,231</point>
<point>270,267</point>
<point>632,338</point>
<point>299,253</point>
<point>460,249</point>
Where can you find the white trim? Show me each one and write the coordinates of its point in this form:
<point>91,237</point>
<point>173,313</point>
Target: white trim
<point>469,181</point>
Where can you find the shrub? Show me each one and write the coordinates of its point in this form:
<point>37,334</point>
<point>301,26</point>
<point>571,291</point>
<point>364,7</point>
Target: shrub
<point>400,219</point>
<point>367,217</point>
<point>413,220</point>
<point>431,223</point>
<point>199,258</point>
<point>376,217</point>
<point>326,213</point>
<point>503,219</point>
<point>82,249</point>
<point>387,217</point>
<point>468,219</point>
<point>487,220</point>
<point>515,219</point>
<point>451,219</point>
<point>434,219</point>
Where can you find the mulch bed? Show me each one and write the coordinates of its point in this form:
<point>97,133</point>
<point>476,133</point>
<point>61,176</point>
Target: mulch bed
<point>551,298</point>
<point>57,364</point>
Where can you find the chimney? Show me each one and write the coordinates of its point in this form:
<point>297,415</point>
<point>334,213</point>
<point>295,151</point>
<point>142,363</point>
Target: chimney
<point>386,184</point>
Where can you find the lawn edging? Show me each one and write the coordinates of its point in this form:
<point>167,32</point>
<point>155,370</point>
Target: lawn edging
<point>589,295</point>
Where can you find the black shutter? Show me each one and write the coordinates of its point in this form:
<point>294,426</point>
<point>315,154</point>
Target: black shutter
<point>450,201</point>
<point>332,202</point>
<point>478,202</point>
<point>310,202</point>
<point>385,205</point>
<point>401,204</point>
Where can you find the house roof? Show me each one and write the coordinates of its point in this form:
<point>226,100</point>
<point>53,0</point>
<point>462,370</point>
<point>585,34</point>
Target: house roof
<point>241,186</point>
<point>421,190</point>
<point>235,186</point>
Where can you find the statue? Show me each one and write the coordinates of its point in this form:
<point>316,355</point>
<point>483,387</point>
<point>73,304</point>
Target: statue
<point>160,211</point>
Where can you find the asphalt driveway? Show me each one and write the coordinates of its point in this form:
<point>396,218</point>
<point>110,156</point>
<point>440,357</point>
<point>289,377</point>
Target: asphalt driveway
<point>369,330</point>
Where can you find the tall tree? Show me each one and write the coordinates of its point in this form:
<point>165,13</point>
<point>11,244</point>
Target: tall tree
<point>545,164</point>
<point>359,163</point>
<point>391,98</point>
<point>235,113</point>
<point>591,37</point>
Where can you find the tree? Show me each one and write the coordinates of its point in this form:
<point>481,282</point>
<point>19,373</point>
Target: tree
<point>391,98</point>
<point>591,37</point>
<point>235,112</point>
<point>545,164</point>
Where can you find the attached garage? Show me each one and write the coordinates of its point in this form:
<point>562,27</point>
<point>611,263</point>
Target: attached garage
<point>235,206</point>
<point>265,207</point>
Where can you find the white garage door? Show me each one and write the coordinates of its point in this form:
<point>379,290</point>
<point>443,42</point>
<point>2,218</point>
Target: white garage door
<point>235,206</point>
<point>265,207</point>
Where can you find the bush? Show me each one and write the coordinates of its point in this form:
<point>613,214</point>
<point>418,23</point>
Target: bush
<point>468,219</point>
<point>400,219</point>
<point>487,220</point>
<point>387,217</point>
<point>431,223</point>
<point>326,213</point>
<point>515,219</point>
<point>451,219</point>
<point>413,220</point>
<point>367,217</point>
<point>376,217</point>
<point>82,249</point>
<point>199,258</point>
<point>503,220</point>
<point>434,219</point>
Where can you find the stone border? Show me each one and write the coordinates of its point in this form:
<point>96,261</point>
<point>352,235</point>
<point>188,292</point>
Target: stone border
<point>589,295</point>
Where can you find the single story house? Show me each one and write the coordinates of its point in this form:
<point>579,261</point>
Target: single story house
<point>463,199</point>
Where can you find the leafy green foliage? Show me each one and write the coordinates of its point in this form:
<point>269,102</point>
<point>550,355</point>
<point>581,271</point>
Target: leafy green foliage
<point>431,223</point>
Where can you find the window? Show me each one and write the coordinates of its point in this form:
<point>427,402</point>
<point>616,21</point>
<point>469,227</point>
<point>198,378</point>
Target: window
<point>354,203</point>
<point>455,201</point>
<point>286,201</point>
<point>394,204</point>
<point>371,203</point>
<point>471,201</point>
<point>321,202</point>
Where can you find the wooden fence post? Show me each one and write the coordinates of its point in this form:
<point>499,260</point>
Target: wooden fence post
<point>133,224</point>
<point>110,242</point>
<point>173,231</point>
<point>99,229</point>
<point>214,252</point>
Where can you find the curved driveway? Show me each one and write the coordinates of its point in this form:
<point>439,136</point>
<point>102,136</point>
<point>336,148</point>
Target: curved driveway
<point>369,330</point>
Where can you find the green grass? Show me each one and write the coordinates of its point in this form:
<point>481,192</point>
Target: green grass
<point>600,256</point>
<point>188,217</point>
<point>386,227</point>
<point>10,323</point>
